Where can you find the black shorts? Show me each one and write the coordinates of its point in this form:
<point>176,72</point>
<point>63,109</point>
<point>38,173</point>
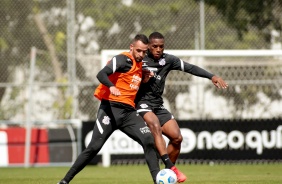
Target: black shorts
<point>112,116</point>
<point>160,111</point>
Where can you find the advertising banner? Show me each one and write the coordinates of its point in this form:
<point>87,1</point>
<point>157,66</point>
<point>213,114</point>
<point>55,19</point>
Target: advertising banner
<point>234,140</point>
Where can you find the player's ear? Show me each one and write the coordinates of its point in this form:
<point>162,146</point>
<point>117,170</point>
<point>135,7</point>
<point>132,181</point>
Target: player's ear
<point>131,47</point>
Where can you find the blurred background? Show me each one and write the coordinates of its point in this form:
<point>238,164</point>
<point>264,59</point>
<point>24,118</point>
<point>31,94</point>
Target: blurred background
<point>67,38</point>
<point>51,51</point>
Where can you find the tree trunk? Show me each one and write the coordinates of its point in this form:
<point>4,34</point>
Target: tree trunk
<point>54,59</point>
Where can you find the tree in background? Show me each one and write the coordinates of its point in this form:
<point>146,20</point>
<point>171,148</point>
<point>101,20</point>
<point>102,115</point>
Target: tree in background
<point>263,17</point>
<point>244,16</point>
<point>17,35</point>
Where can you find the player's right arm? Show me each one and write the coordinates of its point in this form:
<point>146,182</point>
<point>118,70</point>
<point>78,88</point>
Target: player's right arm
<point>146,75</point>
<point>118,63</point>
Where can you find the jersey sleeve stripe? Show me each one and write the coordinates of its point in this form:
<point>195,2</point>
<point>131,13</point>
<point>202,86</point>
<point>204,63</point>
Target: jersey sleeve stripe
<point>114,64</point>
<point>182,65</point>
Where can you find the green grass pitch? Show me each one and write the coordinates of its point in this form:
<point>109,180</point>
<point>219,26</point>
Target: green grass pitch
<point>139,174</point>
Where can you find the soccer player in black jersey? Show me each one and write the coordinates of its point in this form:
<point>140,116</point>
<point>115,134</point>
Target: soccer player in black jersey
<point>149,101</point>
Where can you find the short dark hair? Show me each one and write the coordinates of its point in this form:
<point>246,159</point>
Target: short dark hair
<point>156,35</point>
<point>141,37</point>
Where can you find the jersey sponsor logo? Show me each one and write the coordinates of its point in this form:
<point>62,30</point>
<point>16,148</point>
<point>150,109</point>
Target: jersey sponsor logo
<point>145,130</point>
<point>136,79</point>
<point>144,65</point>
<point>143,106</point>
<point>135,82</point>
<point>132,86</point>
<point>162,62</point>
<point>106,120</point>
<point>152,69</point>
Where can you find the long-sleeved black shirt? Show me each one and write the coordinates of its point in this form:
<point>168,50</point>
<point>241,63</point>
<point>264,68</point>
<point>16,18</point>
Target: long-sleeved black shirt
<point>152,91</point>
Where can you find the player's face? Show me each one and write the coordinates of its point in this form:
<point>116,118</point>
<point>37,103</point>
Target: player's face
<point>156,47</point>
<point>138,50</point>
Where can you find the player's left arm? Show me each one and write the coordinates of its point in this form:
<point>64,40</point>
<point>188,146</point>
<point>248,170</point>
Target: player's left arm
<point>181,65</point>
<point>219,82</point>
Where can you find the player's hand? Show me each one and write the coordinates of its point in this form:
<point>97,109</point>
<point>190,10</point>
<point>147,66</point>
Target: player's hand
<point>219,82</point>
<point>114,91</point>
<point>146,75</point>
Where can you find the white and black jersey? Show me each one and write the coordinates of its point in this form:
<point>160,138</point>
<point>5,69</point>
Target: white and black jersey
<point>151,92</point>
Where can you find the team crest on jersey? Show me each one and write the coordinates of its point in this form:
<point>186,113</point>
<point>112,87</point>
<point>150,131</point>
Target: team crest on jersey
<point>106,120</point>
<point>162,62</point>
<point>143,106</point>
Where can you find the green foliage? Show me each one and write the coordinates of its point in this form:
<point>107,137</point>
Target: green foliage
<point>60,41</point>
<point>65,104</point>
<point>244,16</point>
<point>12,105</point>
<point>3,44</point>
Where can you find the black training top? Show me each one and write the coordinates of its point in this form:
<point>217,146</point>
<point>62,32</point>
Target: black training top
<point>152,91</point>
